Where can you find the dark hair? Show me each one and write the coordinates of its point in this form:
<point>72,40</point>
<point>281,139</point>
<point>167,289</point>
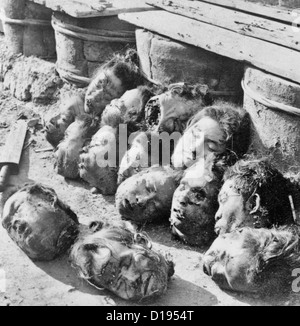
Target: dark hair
<point>192,92</point>
<point>234,122</point>
<point>126,68</point>
<point>221,163</point>
<point>123,232</point>
<point>98,235</point>
<point>278,256</point>
<point>183,90</point>
<point>258,176</point>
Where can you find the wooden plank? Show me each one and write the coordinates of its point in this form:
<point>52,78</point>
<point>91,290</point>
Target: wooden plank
<point>280,14</point>
<point>236,21</point>
<point>95,8</point>
<point>73,8</point>
<point>275,59</point>
<point>278,3</point>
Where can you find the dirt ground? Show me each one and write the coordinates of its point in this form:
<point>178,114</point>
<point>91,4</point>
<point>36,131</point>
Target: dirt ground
<point>56,283</point>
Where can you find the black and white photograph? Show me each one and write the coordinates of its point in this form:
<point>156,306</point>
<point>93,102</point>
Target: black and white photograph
<point>149,155</point>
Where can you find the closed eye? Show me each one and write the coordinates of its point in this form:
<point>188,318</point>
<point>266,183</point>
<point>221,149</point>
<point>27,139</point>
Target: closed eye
<point>212,145</point>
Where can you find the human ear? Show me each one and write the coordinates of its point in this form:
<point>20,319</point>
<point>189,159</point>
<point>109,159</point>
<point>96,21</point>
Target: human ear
<point>254,203</point>
<point>143,240</point>
<point>96,226</point>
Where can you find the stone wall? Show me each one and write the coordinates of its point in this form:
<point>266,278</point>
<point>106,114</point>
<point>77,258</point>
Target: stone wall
<point>168,61</point>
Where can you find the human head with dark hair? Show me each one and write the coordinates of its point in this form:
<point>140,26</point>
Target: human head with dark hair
<point>215,129</point>
<point>254,194</point>
<point>112,80</point>
<point>117,258</point>
<point>171,110</point>
<point>254,260</point>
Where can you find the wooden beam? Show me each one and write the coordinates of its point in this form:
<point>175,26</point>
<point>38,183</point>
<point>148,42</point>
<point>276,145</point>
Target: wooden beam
<point>277,13</point>
<point>72,8</point>
<point>272,58</point>
<point>235,21</point>
<point>95,8</point>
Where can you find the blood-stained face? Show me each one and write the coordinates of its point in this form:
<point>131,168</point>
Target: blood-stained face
<point>233,212</point>
<point>132,271</point>
<point>171,110</point>
<point>195,204</point>
<point>252,260</point>
<point>232,263</point>
<point>39,223</point>
<point>147,196</point>
<point>103,89</point>
<point>198,141</point>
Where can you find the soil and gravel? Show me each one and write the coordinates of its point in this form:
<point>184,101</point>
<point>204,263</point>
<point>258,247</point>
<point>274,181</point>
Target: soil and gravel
<point>56,283</point>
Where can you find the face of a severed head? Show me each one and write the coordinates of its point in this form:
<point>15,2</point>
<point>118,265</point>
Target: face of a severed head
<point>111,81</point>
<point>254,194</point>
<point>120,260</point>
<point>195,202</point>
<point>147,196</point>
<point>253,260</point>
<point>216,129</point>
<point>171,110</point>
<point>105,87</point>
